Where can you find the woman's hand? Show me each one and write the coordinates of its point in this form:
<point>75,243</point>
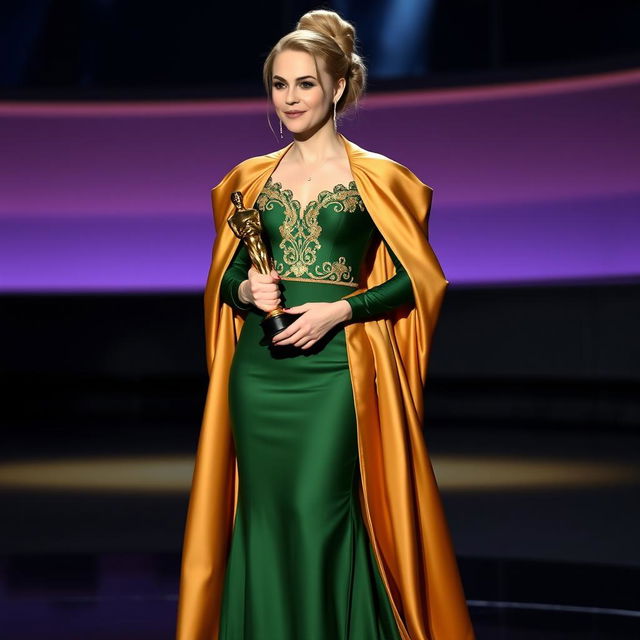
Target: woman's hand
<point>317,318</point>
<point>260,290</point>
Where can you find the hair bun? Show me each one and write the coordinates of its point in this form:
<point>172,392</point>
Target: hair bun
<point>330,24</point>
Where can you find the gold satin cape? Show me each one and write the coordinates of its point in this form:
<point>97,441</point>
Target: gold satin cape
<point>400,500</point>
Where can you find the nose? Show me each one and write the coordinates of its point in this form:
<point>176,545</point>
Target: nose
<point>291,96</point>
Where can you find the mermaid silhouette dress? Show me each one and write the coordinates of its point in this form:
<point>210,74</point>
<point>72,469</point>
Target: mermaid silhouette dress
<point>301,565</point>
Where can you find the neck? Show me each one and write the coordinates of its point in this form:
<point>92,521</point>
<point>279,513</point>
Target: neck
<point>313,148</point>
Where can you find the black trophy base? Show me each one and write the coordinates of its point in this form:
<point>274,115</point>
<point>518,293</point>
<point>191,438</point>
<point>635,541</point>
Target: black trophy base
<point>274,324</point>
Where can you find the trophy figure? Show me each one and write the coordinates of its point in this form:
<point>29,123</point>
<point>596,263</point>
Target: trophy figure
<point>247,226</point>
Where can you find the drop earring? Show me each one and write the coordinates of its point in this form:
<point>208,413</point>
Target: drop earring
<point>335,125</point>
<point>281,136</point>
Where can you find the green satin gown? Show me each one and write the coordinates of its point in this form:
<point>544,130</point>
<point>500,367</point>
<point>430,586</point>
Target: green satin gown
<point>301,565</point>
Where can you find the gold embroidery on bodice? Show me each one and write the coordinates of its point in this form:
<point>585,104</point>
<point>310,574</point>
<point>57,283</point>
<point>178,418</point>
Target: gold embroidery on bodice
<point>301,232</point>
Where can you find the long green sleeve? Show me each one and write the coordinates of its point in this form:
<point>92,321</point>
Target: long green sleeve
<point>384,297</point>
<point>235,274</point>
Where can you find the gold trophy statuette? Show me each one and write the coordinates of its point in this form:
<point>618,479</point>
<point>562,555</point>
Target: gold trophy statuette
<point>247,226</point>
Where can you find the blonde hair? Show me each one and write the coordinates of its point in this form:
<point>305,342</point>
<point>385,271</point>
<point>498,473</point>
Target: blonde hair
<point>323,33</point>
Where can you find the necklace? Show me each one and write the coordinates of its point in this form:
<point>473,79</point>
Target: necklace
<point>311,176</point>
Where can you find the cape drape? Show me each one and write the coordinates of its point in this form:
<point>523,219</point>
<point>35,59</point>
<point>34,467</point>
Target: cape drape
<point>388,358</point>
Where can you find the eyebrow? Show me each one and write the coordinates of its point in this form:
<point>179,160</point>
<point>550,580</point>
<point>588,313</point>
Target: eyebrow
<point>300,78</point>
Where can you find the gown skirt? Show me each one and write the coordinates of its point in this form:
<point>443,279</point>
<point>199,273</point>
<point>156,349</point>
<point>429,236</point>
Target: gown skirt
<point>301,565</point>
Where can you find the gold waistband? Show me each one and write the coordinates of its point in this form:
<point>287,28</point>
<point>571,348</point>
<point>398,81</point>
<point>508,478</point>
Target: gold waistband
<point>355,285</point>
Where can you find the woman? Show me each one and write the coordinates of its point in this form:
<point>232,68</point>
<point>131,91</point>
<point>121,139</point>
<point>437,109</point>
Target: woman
<point>314,513</point>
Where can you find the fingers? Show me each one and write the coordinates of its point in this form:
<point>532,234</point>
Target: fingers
<point>296,333</point>
<point>299,328</point>
<point>255,276</point>
<point>267,302</point>
<point>264,289</point>
<point>299,335</point>
<point>308,328</point>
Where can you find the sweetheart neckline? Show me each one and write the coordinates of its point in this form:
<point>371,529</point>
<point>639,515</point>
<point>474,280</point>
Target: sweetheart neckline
<point>279,187</point>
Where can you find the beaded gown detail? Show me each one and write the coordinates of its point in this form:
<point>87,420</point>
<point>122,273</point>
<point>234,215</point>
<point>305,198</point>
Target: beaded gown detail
<point>301,566</point>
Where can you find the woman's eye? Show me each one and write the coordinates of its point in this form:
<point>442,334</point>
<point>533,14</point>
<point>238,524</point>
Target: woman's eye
<point>304,83</point>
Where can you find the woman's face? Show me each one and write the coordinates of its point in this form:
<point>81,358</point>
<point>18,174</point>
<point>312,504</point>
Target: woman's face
<point>295,89</point>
